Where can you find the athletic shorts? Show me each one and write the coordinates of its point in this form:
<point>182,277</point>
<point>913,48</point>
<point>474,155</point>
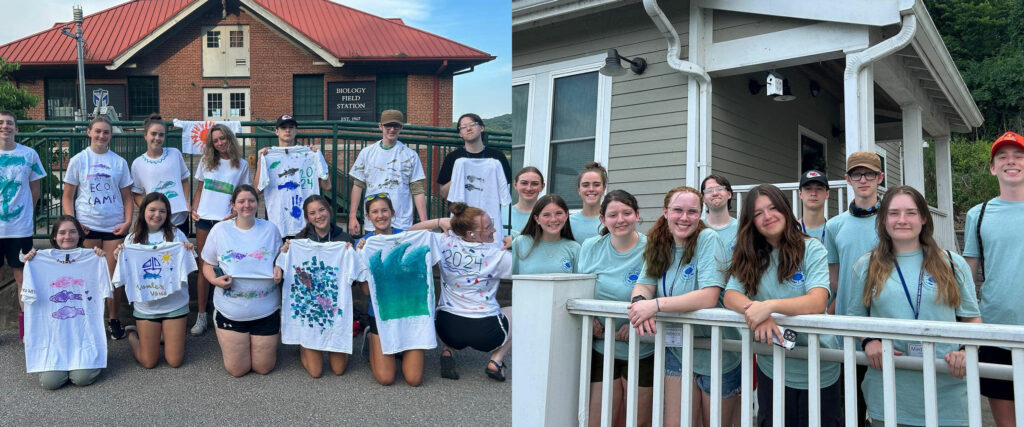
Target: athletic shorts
<point>371,325</point>
<point>732,381</point>
<point>993,388</point>
<point>176,314</point>
<point>620,369</point>
<point>270,325</point>
<point>205,224</point>
<point>101,235</point>
<point>12,248</point>
<point>484,333</point>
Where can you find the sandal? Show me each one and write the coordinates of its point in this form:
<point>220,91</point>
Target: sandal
<point>497,374</point>
<point>448,366</point>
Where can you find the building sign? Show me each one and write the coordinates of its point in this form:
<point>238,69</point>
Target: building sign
<point>352,101</point>
<point>105,95</point>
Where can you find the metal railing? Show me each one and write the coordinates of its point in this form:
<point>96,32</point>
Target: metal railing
<point>58,141</point>
<point>552,294</point>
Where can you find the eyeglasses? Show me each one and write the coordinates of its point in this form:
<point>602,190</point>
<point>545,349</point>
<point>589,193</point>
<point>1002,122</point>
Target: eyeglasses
<point>376,196</point>
<point>474,124</point>
<point>392,126</point>
<point>856,176</point>
<point>712,190</point>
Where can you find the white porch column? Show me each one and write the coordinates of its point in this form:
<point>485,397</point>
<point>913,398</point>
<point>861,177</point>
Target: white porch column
<point>943,174</point>
<point>913,152</point>
<point>546,348</point>
<point>859,110</point>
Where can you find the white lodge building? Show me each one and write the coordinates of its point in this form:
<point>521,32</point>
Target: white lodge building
<point>868,75</point>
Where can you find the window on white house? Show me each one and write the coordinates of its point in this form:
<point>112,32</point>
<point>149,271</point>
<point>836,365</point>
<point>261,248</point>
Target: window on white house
<point>573,132</point>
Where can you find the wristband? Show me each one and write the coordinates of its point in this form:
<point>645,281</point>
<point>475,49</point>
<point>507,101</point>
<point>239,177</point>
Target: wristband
<point>638,298</point>
<point>657,303</point>
<point>864,343</point>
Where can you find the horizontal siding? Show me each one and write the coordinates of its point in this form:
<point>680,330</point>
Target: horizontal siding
<point>734,25</point>
<point>893,169</point>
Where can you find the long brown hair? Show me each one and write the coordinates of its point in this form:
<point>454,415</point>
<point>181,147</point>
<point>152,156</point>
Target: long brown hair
<point>753,253</point>
<point>211,157</point>
<point>658,253</point>
<point>533,229</point>
<point>883,256</point>
<point>141,229</point>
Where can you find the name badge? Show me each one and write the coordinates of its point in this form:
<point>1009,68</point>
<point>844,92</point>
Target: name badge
<point>915,349</point>
<point>673,337</point>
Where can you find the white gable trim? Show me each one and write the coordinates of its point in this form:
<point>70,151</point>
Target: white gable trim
<point>137,47</point>
<point>292,32</point>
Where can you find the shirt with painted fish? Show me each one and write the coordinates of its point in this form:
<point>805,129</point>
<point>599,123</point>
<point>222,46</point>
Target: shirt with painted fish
<point>18,169</point>
<point>163,175</point>
<point>389,171</point>
<point>217,186</point>
<point>99,178</point>
<point>248,257</point>
<point>64,293</point>
<point>288,175</point>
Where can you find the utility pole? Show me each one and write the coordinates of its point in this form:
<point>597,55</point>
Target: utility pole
<point>80,114</point>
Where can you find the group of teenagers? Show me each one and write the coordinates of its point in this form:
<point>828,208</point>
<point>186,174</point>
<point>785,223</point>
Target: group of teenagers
<point>101,193</point>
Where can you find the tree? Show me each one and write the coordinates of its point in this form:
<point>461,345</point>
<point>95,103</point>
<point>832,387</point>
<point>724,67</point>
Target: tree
<point>13,98</point>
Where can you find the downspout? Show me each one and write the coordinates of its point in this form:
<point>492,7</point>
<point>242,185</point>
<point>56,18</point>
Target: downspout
<point>698,149</point>
<point>858,86</point>
<point>437,90</point>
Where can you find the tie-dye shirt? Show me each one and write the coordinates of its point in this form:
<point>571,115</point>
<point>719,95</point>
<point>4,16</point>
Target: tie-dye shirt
<point>248,257</point>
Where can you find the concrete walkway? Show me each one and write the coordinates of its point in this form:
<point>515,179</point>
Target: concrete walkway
<point>201,392</point>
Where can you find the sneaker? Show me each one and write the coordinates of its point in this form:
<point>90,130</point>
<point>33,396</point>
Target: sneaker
<point>115,329</point>
<point>200,327</point>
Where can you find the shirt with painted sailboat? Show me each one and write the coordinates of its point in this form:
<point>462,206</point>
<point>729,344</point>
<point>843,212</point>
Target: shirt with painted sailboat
<point>18,168</point>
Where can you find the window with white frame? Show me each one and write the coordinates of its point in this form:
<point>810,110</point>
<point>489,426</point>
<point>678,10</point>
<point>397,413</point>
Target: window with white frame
<point>226,51</point>
<point>813,154</point>
<point>520,111</point>
<point>563,109</point>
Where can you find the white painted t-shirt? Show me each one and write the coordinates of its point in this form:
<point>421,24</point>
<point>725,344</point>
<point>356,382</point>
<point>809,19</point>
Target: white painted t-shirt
<point>163,175</point>
<point>389,170</point>
<point>100,178</point>
<point>64,293</point>
<point>481,183</point>
<point>18,168</point>
<point>248,257</point>
<point>153,273</point>
<point>288,175</point>
<point>175,300</point>
<point>470,275</point>
<point>316,311</point>
<point>218,184</point>
<point>401,283</point>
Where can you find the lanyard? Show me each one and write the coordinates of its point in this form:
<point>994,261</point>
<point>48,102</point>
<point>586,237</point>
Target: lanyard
<point>802,225</point>
<point>920,284</point>
<point>666,291</point>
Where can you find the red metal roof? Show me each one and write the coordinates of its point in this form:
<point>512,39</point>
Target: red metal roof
<point>348,34</point>
<point>351,34</point>
<point>107,33</point>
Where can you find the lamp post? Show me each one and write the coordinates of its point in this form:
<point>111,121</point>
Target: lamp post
<point>80,42</point>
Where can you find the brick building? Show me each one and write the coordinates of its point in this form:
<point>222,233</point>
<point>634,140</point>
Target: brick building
<point>245,60</point>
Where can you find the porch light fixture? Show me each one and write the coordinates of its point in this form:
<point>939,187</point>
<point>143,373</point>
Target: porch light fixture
<point>777,87</point>
<point>612,67</point>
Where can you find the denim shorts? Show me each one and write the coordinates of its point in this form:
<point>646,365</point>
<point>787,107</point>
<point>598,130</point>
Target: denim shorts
<point>732,381</point>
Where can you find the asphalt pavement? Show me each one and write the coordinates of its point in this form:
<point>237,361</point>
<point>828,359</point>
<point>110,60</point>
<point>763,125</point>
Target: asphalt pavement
<point>201,392</point>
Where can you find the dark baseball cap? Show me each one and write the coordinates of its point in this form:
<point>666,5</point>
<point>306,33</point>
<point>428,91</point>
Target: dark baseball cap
<point>813,176</point>
<point>285,118</point>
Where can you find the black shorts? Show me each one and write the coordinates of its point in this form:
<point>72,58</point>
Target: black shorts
<point>101,235</point>
<point>993,388</point>
<point>205,224</point>
<point>11,248</point>
<point>371,325</point>
<point>620,369</point>
<point>484,333</point>
<point>796,404</point>
<point>270,325</point>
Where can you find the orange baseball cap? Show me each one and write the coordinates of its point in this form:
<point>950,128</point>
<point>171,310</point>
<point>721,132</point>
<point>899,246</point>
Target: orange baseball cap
<point>1007,138</point>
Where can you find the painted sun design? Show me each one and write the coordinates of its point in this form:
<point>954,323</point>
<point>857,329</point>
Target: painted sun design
<point>198,134</point>
<point>165,257</point>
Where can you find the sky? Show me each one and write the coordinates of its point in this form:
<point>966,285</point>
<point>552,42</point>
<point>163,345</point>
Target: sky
<point>482,24</point>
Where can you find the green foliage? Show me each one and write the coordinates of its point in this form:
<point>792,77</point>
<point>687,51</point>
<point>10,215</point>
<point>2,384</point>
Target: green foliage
<point>13,98</point>
<point>502,123</point>
<point>972,182</point>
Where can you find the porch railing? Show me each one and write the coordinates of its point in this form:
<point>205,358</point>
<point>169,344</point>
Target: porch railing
<point>552,319</point>
<point>57,141</point>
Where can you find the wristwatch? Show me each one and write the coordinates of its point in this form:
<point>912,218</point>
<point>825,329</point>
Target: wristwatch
<point>638,298</point>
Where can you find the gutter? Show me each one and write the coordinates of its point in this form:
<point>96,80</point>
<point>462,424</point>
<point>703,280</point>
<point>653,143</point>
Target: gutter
<point>698,112</point>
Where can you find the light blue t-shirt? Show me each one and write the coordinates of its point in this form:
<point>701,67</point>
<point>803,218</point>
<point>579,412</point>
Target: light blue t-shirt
<point>516,221</point>
<point>813,273</point>
<point>728,234</point>
<point>616,272</point>
<point>816,232</point>
<point>583,227</point>
<point>1002,231</point>
<point>704,269</point>
<point>546,257</point>
<point>892,303</point>
<point>847,238</point>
